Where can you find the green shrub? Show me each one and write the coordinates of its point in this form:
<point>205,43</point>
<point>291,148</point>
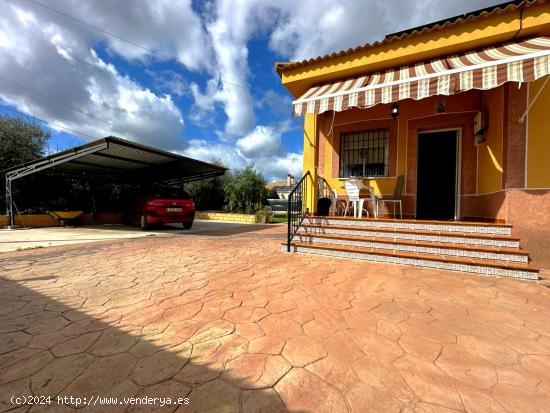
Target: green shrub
<point>245,191</point>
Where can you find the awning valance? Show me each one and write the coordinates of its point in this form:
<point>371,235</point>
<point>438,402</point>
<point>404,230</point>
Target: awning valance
<point>522,61</point>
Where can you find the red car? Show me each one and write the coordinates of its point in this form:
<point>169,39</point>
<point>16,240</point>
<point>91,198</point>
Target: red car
<point>164,205</point>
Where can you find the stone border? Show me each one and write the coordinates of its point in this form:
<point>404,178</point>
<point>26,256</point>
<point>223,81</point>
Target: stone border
<point>225,216</point>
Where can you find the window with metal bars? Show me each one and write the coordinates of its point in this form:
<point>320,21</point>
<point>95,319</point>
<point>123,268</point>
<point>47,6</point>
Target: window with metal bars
<point>364,153</point>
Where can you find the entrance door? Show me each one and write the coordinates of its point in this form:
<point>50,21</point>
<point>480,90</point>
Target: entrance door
<point>436,186</point>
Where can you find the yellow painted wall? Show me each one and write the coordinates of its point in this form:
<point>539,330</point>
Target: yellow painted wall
<point>496,29</point>
<point>310,157</point>
<point>44,220</point>
<point>538,136</point>
<point>489,154</point>
<point>34,221</point>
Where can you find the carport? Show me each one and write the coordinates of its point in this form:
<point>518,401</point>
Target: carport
<point>114,160</point>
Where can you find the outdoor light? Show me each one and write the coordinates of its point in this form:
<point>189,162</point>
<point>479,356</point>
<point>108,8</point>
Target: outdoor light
<point>395,110</point>
<point>440,107</point>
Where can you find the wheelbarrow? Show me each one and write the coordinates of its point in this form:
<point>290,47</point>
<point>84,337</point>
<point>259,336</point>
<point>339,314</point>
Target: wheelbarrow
<point>65,218</point>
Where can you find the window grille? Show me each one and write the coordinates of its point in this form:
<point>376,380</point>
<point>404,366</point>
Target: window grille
<point>364,153</point>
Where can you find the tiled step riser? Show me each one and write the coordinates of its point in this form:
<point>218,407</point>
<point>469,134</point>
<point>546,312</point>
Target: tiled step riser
<point>482,229</point>
<point>416,249</point>
<point>477,269</point>
<point>415,237</point>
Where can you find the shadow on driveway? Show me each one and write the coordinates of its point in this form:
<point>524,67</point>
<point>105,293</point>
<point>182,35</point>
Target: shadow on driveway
<point>82,347</point>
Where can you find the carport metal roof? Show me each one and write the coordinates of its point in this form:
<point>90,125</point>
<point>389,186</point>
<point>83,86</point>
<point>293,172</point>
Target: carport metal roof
<point>116,160</point>
<point>121,161</point>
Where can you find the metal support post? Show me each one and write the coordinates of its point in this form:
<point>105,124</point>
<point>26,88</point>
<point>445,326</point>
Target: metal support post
<point>9,202</point>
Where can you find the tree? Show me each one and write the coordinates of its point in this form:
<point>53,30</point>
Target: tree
<point>245,190</point>
<point>20,142</point>
<point>272,193</point>
<point>208,194</point>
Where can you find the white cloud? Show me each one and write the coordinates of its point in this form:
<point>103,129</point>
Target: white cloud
<point>231,26</point>
<point>262,147</point>
<point>170,82</point>
<point>65,82</point>
<point>170,28</point>
<point>261,142</point>
<point>229,44</point>
<point>208,151</point>
<point>311,28</point>
<point>204,101</point>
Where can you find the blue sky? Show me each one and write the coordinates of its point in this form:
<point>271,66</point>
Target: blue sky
<point>201,82</point>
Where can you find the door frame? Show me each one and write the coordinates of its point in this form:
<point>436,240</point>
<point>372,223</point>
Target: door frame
<point>458,166</point>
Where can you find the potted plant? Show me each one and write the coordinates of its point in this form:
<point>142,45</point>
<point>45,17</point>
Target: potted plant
<point>264,215</point>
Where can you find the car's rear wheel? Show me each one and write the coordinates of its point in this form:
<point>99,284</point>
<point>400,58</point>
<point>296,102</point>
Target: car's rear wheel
<point>143,223</point>
<point>187,225</point>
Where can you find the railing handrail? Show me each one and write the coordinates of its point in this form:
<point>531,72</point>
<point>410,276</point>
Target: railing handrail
<point>326,187</point>
<point>295,198</point>
<point>299,183</point>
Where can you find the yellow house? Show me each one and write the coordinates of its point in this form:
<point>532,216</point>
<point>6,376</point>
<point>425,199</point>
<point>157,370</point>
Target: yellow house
<point>459,109</point>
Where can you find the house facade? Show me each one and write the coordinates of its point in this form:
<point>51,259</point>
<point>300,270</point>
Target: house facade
<point>283,188</point>
<point>460,108</point>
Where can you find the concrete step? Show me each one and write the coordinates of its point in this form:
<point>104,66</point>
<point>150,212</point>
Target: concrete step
<point>447,237</point>
<point>438,261</point>
<point>423,247</point>
<point>415,225</point>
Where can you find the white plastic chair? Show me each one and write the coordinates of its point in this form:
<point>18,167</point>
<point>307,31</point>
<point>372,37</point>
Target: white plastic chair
<point>353,188</point>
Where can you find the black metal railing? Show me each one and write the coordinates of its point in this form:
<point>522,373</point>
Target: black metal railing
<point>297,207</point>
<point>325,190</point>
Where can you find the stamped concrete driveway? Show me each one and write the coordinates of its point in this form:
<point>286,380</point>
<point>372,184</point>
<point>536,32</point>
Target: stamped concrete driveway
<point>229,322</point>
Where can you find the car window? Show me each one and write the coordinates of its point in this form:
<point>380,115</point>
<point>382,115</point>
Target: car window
<point>169,193</point>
